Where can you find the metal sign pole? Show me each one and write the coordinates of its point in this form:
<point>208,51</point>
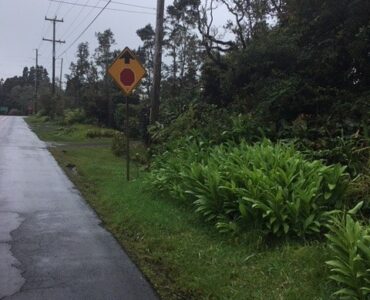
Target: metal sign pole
<point>127,72</point>
<point>127,142</point>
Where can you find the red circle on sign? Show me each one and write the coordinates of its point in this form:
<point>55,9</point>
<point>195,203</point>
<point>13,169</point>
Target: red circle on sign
<point>127,77</point>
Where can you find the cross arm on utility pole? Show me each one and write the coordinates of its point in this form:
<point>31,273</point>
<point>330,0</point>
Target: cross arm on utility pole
<point>54,20</point>
<point>56,41</point>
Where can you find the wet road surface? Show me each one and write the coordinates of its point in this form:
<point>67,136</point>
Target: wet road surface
<point>51,243</point>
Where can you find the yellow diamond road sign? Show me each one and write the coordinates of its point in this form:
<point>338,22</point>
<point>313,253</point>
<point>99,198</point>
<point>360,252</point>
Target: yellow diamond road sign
<point>127,71</point>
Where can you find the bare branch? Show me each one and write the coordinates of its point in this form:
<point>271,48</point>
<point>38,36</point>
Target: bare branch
<point>239,13</point>
<point>213,46</point>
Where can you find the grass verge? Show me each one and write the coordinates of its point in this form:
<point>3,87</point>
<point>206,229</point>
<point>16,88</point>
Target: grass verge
<point>181,256</point>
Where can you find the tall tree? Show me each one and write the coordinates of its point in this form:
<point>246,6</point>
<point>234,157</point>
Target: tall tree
<point>103,58</point>
<point>77,80</point>
<point>183,47</point>
<point>103,53</point>
<point>146,54</point>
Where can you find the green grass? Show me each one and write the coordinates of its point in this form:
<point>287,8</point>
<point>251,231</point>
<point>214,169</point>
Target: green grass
<point>53,132</point>
<point>181,256</point>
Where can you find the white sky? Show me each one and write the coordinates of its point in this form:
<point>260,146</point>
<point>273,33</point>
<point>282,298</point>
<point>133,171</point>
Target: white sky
<point>22,27</point>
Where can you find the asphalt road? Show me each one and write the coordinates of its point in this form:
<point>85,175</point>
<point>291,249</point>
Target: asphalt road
<point>51,243</point>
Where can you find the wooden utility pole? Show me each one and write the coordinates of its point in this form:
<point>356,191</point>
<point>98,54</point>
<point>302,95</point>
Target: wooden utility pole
<point>61,74</point>
<point>55,20</point>
<point>156,88</point>
<point>34,106</point>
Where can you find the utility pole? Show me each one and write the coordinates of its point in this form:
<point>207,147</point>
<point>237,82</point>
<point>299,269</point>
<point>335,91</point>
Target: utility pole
<point>34,106</point>
<point>61,74</point>
<point>156,88</point>
<point>55,20</point>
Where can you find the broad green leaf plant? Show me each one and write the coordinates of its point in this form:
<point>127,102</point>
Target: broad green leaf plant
<point>349,242</point>
<point>267,186</point>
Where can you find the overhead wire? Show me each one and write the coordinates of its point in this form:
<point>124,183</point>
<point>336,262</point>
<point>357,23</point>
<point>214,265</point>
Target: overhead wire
<point>49,24</point>
<point>92,7</point>
<point>43,27</point>
<point>56,12</point>
<point>96,6</point>
<point>87,27</point>
<point>64,34</point>
<point>69,10</point>
<point>83,20</point>
<point>112,9</point>
<point>133,5</point>
<point>116,2</point>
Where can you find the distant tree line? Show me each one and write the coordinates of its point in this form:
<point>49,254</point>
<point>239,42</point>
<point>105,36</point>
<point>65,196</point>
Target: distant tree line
<point>301,69</point>
<point>18,92</point>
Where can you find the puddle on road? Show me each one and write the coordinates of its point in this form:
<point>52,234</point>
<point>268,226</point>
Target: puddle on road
<point>11,279</point>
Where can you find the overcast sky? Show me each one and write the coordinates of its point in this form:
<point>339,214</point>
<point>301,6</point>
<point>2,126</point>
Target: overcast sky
<point>22,27</point>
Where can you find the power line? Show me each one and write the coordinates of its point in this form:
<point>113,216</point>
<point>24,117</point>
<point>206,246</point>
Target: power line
<point>43,27</point>
<point>112,9</point>
<point>133,5</point>
<point>68,11</point>
<point>88,26</point>
<point>54,41</point>
<point>49,24</point>
<point>86,5</point>
<point>74,20</point>
<point>88,15</point>
<point>56,12</point>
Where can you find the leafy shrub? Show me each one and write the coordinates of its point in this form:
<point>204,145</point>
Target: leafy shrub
<point>352,151</point>
<point>41,113</point>
<point>66,130</point>
<point>270,186</point>
<point>137,122</point>
<point>359,190</point>
<point>349,242</point>
<point>100,133</point>
<point>50,104</point>
<point>209,123</point>
<point>168,168</point>
<point>73,116</point>
<point>118,143</point>
<point>138,151</point>
<point>41,118</point>
<point>334,141</point>
<point>14,112</point>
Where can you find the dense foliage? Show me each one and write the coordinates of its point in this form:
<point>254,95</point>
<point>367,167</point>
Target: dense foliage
<point>265,186</point>
<point>18,92</point>
<point>299,71</point>
<point>290,71</point>
<point>349,241</point>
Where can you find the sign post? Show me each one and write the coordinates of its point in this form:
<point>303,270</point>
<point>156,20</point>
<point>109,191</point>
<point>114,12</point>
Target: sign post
<point>127,141</point>
<point>127,72</point>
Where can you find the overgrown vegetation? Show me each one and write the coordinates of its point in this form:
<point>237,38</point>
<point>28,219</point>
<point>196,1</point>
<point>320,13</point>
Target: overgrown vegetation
<point>264,134</point>
<point>172,246</point>
<point>349,242</point>
<point>269,187</point>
